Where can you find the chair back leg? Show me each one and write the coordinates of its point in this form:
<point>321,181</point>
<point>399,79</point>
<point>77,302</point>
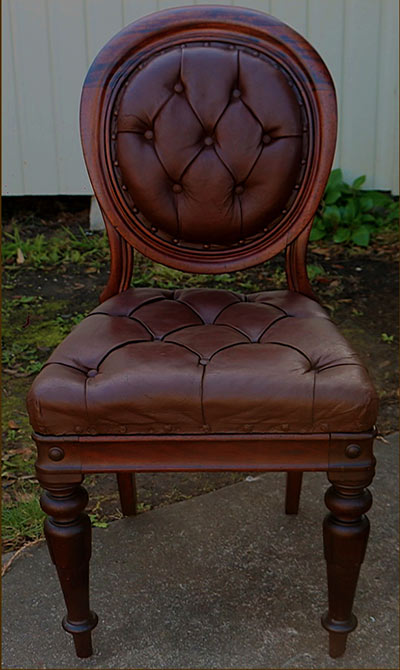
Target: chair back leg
<point>293,490</point>
<point>127,492</point>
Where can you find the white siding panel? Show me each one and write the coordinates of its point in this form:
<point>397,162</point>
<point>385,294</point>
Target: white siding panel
<point>69,64</point>
<point>135,9</point>
<point>13,178</point>
<point>292,12</point>
<point>103,19</point>
<point>34,96</point>
<point>386,139</point>
<point>359,92</point>
<point>325,33</point>
<point>261,5</point>
<point>49,44</point>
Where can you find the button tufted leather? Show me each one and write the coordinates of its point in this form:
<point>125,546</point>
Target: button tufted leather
<point>203,360</point>
<point>218,116</point>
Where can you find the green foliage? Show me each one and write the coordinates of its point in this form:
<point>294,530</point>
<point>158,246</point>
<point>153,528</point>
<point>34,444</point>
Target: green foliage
<point>387,338</point>
<point>31,329</point>
<point>351,216</point>
<point>314,271</point>
<point>22,522</point>
<point>46,252</point>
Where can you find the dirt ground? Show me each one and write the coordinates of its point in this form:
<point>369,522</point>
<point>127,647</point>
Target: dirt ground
<point>359,288</point>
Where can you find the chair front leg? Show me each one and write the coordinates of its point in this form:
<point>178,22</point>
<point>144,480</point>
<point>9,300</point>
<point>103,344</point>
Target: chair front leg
<point>346,531</point>
<point>68,535</point>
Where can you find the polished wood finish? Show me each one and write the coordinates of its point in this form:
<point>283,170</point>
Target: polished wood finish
<point>191,453</point>
<point>121,264</point>
<point>293,490</point>
<point>349,470</point>
<point>296,264</point>
<point>68,535</point>
<point>127,492</point>
<point>346,531</point>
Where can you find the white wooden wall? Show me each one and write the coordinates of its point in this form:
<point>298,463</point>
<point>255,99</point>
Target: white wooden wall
<point>48,46</point>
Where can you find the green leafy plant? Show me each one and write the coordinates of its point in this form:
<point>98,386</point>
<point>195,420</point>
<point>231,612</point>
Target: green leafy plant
<point>349,215</point>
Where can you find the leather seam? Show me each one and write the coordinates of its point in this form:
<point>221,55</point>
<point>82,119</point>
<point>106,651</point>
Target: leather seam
<point>66,365</point>
<point>279,318</point>
<point>290,346</point>
<point>119,346</point>
<point>203,413</point>
<point>223,309</point>
<point>185,304</point>
<point>236,329</point>
<point>313,400</point>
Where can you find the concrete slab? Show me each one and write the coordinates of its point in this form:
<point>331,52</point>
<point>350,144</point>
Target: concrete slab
<point>225,580</point>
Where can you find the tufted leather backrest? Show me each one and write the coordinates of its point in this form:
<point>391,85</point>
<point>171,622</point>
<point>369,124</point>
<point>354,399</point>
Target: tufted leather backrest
<point>208,134</point>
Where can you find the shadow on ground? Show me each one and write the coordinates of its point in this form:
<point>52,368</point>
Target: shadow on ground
<point>224,580</point>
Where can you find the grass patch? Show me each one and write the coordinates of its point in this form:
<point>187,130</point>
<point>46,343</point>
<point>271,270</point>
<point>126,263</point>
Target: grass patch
<point>22,522</point>
<point>62,247</point>
<point>33,329</point>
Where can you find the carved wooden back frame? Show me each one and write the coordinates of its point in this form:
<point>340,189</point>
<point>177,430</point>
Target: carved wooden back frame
<point>247,29</point>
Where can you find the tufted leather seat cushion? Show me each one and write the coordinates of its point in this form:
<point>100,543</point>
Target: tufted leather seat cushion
<point>209,119</point>
<point>202,360</point>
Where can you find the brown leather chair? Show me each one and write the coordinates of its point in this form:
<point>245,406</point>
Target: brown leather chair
<point>208,134</point>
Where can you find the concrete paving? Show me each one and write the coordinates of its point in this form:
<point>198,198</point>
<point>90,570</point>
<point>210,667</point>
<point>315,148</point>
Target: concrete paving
<point>224,580</point>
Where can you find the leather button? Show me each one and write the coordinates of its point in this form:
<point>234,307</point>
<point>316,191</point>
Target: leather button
<point>267,139</point>
<point>92,373</point>
<point>203,361</point>
<point>239,189</point>
<point>208,141</point>
<point>149,135</point>
<point>177,188</point>
<point>178,88</point>
<point>236,93</point>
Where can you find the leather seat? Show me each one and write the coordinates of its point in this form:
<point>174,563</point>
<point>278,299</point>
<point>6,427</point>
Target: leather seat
<point>202,360</point>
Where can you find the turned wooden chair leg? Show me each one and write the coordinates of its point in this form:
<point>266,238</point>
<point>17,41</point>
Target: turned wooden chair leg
<point>68,534</point>
<point>346,531</point>
<point>127,492</point>
<point>293,490</point>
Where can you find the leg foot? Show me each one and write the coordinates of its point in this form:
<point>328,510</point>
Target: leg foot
<point>337,644</point>
<point>346,531</point>
<point>127,492</point>
<point>68,534</point>
<point>82,635</point>
<point>293,490</point>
